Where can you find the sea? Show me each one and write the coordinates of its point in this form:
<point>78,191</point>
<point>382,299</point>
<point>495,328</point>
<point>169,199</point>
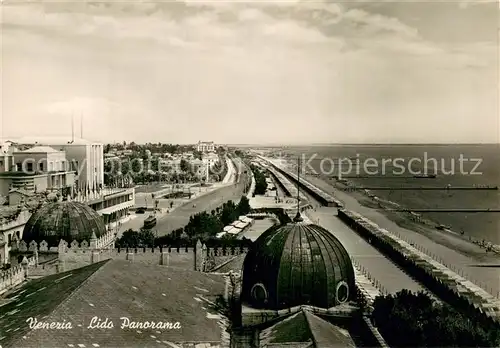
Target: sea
<point>405,165</point>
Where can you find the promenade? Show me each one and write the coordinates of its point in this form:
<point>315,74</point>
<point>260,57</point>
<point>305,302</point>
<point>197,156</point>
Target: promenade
<point>386,274</point>
<point>184,209</point>
<point>470,268</point>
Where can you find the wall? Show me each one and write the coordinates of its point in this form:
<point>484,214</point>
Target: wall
<point>5,186</point>
<point>74,154</point>
<point>9,228</point>
<point>449,286</point>
<point>15,275</point>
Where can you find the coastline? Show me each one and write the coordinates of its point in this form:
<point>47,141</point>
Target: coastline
<point>447,239</point>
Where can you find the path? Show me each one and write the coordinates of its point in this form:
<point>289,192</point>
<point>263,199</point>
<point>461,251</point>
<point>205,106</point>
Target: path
<point>393,279</point>
<point>486,277</point>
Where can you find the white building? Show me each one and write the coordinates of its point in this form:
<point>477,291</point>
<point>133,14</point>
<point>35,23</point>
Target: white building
<point>6,156</point>
<point>207,146</point>
<point>84,157</point>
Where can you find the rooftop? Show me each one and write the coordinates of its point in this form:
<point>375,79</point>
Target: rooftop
<point>53,140</point>
<point>41,149</point>
<point>115,289</point>
<point>305,327</point>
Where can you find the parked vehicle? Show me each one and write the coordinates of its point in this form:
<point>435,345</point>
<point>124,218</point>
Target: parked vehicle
<point>150,222</point>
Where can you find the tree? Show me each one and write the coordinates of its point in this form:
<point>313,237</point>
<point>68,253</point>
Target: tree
<point>184,165</point>
<point>244,206</point>
<point>407,319</point>
<point>260,181</point>
<point>146,238</point>
<point>129,239</point>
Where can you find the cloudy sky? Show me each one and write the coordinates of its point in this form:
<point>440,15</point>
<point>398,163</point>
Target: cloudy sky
<point>254,72</point>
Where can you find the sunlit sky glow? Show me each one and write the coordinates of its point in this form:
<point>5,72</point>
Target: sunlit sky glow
<point>256,72</point>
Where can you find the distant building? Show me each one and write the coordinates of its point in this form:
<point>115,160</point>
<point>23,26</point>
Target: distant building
<point>84,157</point>
<point>6,156</point>
<point>39,169</point>
<point>205,146</point>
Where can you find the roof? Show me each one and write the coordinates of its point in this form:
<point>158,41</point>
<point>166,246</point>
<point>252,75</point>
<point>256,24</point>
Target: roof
<point>124,289</point>
<point>245,218</point>
<point>41,149</point>
<point>235,264</point>
<point>22,191</point>
<point>240,224</point>
<point>304,327</point>
<point>54,140</point>
<point>64,220</point>
<point>297,264</point>
<point>38,298</point>
<point>233,230</point>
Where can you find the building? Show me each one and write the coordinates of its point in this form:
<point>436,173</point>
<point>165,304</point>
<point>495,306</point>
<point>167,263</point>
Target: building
<point>64,220</point>
<point>207,146</point>
<point>297,288</point>
<point>6,157</point>
<point>11,226</point>
<point>37,169</point>
<point>304,298</point>
<point>85,157</point>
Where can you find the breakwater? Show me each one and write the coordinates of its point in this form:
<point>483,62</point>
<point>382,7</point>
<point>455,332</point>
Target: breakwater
<point>422,188</point>
<point>446,284</point>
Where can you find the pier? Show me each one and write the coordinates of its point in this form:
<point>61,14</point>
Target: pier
<point>446,210</point>
<point>423,188</point>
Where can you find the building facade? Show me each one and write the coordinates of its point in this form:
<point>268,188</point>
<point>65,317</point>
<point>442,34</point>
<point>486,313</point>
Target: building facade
<point>205,146</point>
<point>84,157</point>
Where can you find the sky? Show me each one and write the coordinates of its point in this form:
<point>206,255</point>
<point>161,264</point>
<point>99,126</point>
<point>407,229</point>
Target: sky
<point>252,72</point>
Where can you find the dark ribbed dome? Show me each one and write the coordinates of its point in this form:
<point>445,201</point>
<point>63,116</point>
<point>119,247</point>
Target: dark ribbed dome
<point>297,264</point>
<point>63,220</point>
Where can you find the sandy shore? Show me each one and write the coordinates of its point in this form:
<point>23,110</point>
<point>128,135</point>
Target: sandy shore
<point>463,257</point>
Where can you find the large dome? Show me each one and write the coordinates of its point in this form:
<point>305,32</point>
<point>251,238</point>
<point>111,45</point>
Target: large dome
<point>63,220</point>
<point>297,264</point>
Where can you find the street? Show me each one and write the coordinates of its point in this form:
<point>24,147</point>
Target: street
<point>179,217</point>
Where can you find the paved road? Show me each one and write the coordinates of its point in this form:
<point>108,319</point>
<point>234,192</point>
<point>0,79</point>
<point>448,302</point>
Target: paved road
<point>180,216</point>
<point>382,269</point>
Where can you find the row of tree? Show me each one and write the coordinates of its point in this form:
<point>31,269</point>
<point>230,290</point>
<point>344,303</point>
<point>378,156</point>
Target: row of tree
<point>219,170</point>
<point>414,320</point>
<point>260,180</point>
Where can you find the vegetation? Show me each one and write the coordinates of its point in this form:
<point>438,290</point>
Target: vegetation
<point>202,226</point>
<point>219,170</point>
<point>260,180</point>
<point>415,320</point>
<point>133,239</point>
<point>153,147</point>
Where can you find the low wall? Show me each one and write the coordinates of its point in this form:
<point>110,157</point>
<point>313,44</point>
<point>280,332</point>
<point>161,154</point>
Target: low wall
<point>449,286</point>
<point>14,275</point>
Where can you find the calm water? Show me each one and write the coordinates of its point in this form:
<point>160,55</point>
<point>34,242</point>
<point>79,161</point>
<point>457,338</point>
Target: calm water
<point>479,225</point>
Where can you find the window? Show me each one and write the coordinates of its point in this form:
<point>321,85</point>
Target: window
<point>259,293</point>
<point>40,165</point>
<point>29,167</point>
<point>342,292</point>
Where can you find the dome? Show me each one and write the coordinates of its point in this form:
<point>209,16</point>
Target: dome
<point>297,264</point>
<point>63,220</point>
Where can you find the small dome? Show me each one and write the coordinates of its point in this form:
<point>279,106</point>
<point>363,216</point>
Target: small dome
<point>297,264</point>
<point>63,220</point>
